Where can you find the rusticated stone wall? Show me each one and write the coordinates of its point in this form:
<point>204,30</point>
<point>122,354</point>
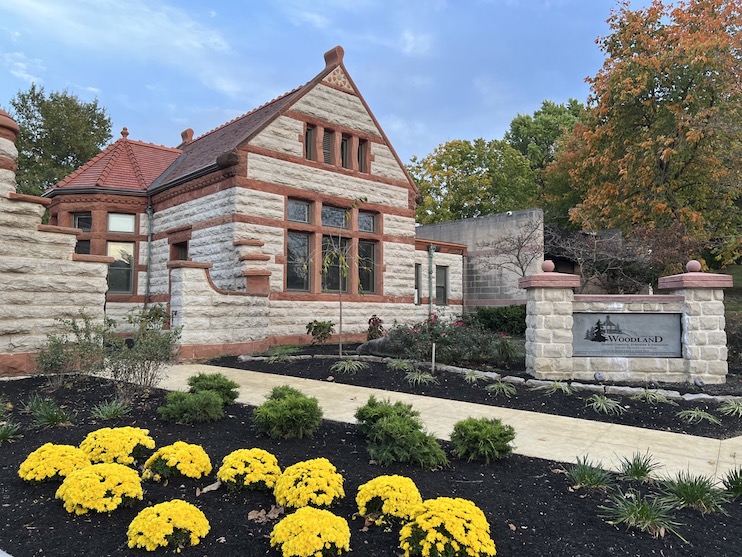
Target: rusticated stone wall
<point>697,297</point>
<point>41,279</point>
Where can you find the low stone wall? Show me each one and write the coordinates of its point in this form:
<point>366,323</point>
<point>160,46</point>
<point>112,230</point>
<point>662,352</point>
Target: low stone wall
<point>696,297</point>
<point>42,280</point>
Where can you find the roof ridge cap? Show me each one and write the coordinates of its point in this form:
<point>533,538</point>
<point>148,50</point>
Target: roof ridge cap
<point>155,145</point>
<point>67,179</point>
<point>109,165</point>
<point>135,165</point>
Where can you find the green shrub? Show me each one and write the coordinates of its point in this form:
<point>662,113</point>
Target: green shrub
<point>400,439</point>
<point>288,414</point>
<point>140,363</point>
<point>395,435</point>
<point>192,408</point>
<point>374,410</point>
<point>485,439</point>
<point>217,382</point>
<point>506,319</point>
<point>733,329</point>
<point>79,348</point>
<point>320,330</point>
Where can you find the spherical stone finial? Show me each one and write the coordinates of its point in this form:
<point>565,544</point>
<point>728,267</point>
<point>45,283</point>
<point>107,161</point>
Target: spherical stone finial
<point>125,133</point>
<point>693,266</point>
<point>548,266</point>
<point>8,127</point>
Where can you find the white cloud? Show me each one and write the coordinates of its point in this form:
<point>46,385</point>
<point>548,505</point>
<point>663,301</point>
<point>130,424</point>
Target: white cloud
<point>316,20</point>
<point>416,44</point>
<point>133,30</point>
<point>22,67</point>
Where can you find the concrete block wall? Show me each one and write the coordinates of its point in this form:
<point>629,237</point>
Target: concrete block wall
<point>41,279</point>
<point>487,281</point>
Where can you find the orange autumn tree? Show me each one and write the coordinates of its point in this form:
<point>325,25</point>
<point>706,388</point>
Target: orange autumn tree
<point>660,147</point>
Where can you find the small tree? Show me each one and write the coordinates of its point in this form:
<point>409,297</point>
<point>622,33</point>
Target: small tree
<point>516,250</point>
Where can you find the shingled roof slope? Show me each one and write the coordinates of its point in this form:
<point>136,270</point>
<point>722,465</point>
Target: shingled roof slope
<point>203,151</point>
<point>125,164</point>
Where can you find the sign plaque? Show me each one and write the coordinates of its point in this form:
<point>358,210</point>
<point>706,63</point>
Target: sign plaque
<point>627,335</point>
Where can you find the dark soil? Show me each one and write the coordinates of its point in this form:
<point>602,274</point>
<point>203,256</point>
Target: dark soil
<point>529,503</point>
<point>454,385</point>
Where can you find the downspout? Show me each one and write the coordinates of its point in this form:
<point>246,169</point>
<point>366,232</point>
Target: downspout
<point>150,226</point>
<point>431,251</point>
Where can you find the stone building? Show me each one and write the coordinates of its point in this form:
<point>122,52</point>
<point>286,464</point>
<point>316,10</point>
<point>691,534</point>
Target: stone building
<point>239,230</point>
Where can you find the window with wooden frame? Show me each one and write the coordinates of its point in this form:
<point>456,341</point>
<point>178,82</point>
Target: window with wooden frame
<point>310,138</point>
<point>298,261</point>
<point>328,139</point>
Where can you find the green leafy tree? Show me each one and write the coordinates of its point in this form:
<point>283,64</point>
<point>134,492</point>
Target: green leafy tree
<point>59,133</point>
<point>463,179</point>
<point>662,145</point>
<point>535,136</point>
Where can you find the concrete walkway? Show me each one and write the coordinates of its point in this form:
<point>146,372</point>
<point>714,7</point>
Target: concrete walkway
<point>537,435</point>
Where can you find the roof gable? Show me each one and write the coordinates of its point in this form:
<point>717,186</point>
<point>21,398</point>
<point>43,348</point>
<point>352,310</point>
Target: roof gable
<point>125,164</point>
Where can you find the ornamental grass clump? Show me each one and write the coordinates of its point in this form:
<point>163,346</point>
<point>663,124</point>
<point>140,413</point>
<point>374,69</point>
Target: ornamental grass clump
<point>123,445</point>
<point>99,487</point>
<point>180,458</point>
<point>52,462</point>
<point>311,532</point>
<point>447,527</point>
<point>310,482</point>
<point>388,497</point>
<point>249,469</point>
<point>174,524</point>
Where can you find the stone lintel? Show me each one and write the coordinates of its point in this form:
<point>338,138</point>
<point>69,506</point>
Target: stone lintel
<point>695,280</point>
<point>254,243</point>
<point>58,229</point>
<point>29,198</point>
<point>92,258</point>
<point>549,280</point>
<point>189,265</point>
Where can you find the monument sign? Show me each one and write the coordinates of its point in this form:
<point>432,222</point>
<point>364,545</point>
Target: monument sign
<point>633,335</point>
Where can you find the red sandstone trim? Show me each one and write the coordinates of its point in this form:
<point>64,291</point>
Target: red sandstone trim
<point>695,280</point>
<point>58,229</point>
<point>494,303</point>
<point>421,244</point>
<point>6,163</point>
<point>189,265</point>
<point>549,280</point>
<point>628,298</point>
<point>255,257</point>
<point>29,198</point>
<point>254,243</point>
<point>14,365</point>
<point>330,297</point>
<point>257,273</point>
<point>176,229</point>
<point>92,258</point>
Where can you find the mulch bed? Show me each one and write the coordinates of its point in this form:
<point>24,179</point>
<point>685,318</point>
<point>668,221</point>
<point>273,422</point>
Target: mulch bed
<point>452,385</point>
<point>529,503</point>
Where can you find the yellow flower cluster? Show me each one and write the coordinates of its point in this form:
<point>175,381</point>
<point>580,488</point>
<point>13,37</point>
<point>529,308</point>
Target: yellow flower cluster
<point>99,487</point>
<point>389,496</point>
<point>179,458</point>
<point>119,444</point>
<point>446,526</point>
<point>311,532</point>
<point>51,461</point>
<point>172,523</point>
<point>250,468</point>
<point>310,482</point>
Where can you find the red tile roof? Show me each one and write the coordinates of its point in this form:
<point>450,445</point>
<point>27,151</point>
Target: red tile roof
<point>125,164</point>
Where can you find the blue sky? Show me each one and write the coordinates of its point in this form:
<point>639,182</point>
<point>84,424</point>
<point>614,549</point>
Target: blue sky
<point>431,71</point>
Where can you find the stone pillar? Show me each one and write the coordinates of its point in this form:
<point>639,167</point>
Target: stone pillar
<point>704,338</point>
<point>8,153</point>
<point>549,298</point>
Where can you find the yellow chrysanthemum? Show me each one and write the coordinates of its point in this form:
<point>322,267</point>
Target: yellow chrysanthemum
<point>175,523</point>
<point>249,468</point>
<point>310,482</point>
<point>52,461</point>
<point>118,444</point>
<point>100,488</point>
<point>179,458</point>
<point>389,496</point>
<point>311,532</point>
